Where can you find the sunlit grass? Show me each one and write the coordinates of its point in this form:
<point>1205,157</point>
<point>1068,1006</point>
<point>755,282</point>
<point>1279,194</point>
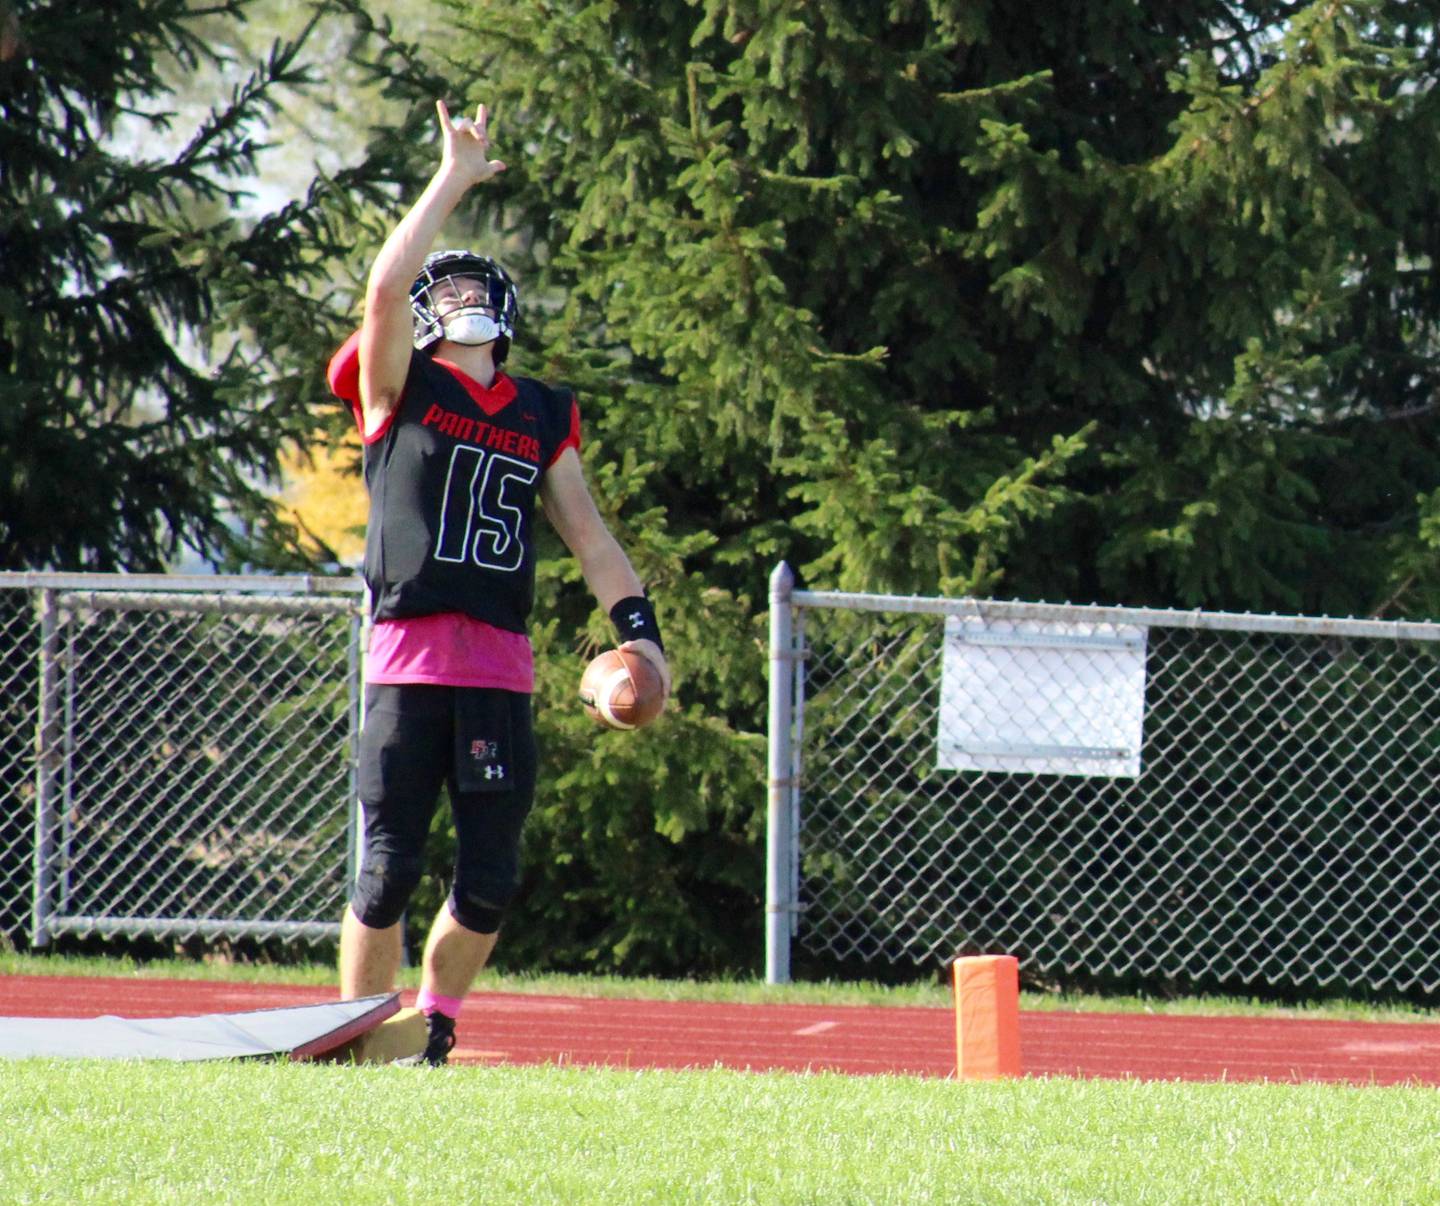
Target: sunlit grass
<point>275,1132</point>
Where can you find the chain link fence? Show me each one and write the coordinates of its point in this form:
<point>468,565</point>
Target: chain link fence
<point>177,755</point>
<point>1155,796</point>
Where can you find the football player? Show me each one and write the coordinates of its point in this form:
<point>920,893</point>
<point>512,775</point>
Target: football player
<point>456,453</point>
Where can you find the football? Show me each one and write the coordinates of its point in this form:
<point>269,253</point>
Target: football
<point>621,689</point>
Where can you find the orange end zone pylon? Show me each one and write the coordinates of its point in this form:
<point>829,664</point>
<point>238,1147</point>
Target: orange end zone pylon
<point>987,1017</point>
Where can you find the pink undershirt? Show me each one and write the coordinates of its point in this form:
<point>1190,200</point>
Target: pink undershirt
<point>450,650</point>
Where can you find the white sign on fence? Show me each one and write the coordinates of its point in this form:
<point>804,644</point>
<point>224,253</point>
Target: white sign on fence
<point>1041,697</point>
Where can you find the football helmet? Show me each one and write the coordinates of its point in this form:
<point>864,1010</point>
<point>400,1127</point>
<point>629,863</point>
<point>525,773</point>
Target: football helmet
<point>493,320</point>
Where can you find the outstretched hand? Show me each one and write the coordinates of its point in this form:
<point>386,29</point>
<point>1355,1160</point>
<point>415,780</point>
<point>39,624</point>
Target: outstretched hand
<point>467,144</point>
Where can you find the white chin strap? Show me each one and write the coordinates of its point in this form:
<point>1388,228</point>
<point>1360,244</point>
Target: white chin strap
<point>470,327</point>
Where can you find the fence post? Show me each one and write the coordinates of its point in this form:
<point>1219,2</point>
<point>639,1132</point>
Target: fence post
<point>48,753</point>
<point>779,838</point>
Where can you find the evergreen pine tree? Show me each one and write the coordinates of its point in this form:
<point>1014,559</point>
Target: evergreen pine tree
<point>1110,302</point>
<point>160,339</point>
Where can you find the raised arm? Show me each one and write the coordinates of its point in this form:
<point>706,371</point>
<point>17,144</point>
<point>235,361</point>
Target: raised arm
<point>607,570</point>
<point>387,331</point>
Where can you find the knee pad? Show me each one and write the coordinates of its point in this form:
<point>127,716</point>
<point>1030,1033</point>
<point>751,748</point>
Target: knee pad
<point>384,887</point>
<point>481,906</point>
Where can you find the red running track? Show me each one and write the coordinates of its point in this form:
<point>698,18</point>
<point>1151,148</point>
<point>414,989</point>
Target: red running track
<point>516,1028</point>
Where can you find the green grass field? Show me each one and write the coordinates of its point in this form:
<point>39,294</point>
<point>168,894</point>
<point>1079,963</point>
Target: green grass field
<point>268,1132</point>
<point>274,1132</point>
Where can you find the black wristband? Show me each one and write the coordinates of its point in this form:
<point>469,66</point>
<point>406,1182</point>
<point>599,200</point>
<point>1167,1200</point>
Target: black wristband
<point>634,620</point>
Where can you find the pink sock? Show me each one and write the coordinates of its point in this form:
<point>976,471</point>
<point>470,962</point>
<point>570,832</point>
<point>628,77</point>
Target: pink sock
<point>428,1002</point>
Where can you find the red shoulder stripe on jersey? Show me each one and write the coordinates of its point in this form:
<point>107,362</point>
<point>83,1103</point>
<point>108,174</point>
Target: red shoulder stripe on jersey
<point>573,439</point>
<point>343,374</point>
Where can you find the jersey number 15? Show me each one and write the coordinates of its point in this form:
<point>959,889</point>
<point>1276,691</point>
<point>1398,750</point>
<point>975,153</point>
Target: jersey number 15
<point>480,520</point>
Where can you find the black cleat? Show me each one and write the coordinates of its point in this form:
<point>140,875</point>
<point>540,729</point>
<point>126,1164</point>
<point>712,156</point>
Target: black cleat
<point>441,1041</point>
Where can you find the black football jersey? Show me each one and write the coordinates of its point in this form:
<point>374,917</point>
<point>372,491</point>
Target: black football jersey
<point>452,480</point>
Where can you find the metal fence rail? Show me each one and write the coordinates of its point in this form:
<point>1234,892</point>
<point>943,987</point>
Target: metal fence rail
<point>1163,795</point>
<point>177,755</point>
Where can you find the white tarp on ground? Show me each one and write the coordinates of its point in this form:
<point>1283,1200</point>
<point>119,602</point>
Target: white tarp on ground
<point>298,1030</point>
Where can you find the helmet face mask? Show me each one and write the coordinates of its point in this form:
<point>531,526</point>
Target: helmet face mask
<point>472,325</point>
<point>451,277</point>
